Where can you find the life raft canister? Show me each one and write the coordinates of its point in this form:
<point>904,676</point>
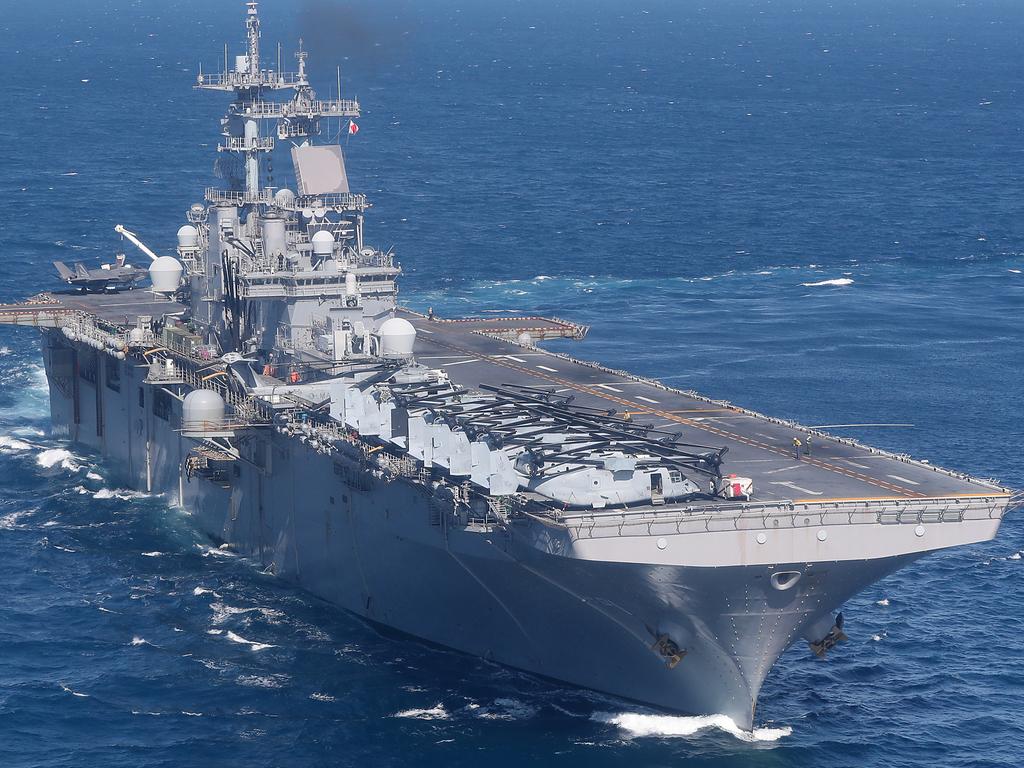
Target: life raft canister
<point>293,377</point>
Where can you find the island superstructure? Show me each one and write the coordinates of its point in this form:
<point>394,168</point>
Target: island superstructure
<point>450,478</point>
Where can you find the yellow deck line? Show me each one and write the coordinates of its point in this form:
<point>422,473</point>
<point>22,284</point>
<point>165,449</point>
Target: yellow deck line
<point>602,393</point>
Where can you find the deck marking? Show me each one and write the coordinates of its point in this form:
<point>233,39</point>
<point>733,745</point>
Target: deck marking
<point>878,482</point>
<point>646,399</point>
<point>512,357</point>
<point>784,469</point>
<point>903,479</point>
<point>851,461</point>
<point>545,368</point>
<point>796,487</point>
<point>424,330</point>
<point>609,387</point>
<point>463,362</point>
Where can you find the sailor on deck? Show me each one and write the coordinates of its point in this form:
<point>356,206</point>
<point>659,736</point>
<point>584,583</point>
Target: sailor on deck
<point>797,445</point>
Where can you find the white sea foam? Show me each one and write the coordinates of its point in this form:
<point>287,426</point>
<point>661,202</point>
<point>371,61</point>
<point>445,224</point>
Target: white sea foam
<point>191,714</point>
<point>262,681</point>
<point>636,724</point>
<point>8,443</point>
<point>93,476</point>
<point>54,456</point>
<point>436,712</point>
<point>118,493</point>
<point>218,552</point>
<point>200,591</point>
<point>140,641</point>
<point>837,282</point>
<point>507,709</point>
<point>152,554</point>
<point>4,351</point>
<point>1015,271</point>
<point>1014,556</point>
<point>321,697</point>
<point>251,643</point>
<point>884,602</point>
<point>9,522</point>
<point>73,693</point>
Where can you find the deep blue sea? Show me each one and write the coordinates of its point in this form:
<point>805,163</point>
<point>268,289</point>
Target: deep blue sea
<point>812,209</point>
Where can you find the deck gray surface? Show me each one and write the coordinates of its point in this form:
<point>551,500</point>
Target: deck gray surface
<point>758,447</point>
<point>123,307</point>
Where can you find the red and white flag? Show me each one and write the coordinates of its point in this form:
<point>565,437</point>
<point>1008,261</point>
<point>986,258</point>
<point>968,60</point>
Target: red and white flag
<point>352,128</point>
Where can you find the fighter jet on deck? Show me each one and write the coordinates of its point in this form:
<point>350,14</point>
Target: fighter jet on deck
<point>109,277</point>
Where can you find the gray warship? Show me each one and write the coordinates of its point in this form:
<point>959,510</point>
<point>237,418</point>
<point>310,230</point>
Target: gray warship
<point>449,478</point>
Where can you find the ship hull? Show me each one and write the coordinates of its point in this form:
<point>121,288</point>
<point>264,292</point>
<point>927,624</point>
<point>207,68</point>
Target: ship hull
<point>529,595</point>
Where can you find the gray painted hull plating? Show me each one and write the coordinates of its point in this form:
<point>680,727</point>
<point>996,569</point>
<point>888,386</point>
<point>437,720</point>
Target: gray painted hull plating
<point>528,596</point>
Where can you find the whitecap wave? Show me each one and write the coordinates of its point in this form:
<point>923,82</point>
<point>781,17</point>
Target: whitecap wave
<point>884,602</point>
<point>9,522</point>
<point>253,645</point>
<point>152,554</point>
<point>262,681</point>
<point>436,712</point>
<point>140,641</point>
<point>11,444</point>
<point>321,697</point>
<point>119,493</point>
<point>506,709</point>
<point>836,282</point>
<point>51,457</point>
<point>637,724</point>
<point>73,693</point>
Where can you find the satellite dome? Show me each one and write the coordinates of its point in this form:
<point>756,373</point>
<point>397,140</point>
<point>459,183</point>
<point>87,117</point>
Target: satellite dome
<point>397,337</point>
<point>323,243</point>
<point>188,237</point>
<point>284,198</point>
<point>165,274</point>
<point>202,409</point>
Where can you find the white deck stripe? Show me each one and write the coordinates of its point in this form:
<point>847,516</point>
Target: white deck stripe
<point>796,487</point>
<point>545,368</point>
<point>609,387</point>
<point>461,362</point>
<point>903,479</point>
<point>646,399</point>
<point>784,469</point>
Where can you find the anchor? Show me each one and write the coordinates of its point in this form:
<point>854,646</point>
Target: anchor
<point>831,640</point>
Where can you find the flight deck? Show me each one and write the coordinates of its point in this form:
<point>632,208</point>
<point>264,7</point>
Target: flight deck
<point>759,447</point>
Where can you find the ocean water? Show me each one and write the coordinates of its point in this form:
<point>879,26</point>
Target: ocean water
<point>811,209</point>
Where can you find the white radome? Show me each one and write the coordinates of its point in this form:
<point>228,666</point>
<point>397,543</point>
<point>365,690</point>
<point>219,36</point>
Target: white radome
<point>202,409</point>
<point>397,338</point>
<point>323,243</point>
<point>165,274</point>
<point>188,237</point>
